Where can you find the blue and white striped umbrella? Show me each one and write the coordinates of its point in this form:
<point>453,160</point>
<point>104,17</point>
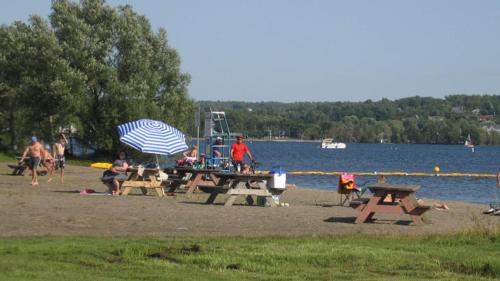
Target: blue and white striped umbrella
<point>150,136</point>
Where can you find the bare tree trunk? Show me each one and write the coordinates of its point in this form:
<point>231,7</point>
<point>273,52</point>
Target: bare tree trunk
<point>51,125</point>
<point>12,130</point>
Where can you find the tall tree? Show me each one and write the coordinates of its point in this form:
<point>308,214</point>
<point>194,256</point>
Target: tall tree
<point>36,84</point>
<point>130,72</point>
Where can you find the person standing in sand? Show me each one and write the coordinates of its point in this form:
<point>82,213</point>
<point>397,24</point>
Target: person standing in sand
<point>58,149</point>
<point>34,150</point>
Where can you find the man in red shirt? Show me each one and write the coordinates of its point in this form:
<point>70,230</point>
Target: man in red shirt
<point>238,151</point>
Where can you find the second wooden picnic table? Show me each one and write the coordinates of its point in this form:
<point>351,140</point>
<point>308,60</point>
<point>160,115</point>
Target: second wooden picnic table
<point>239,184</point>
<point>402,201</point>
<point>194,177</point>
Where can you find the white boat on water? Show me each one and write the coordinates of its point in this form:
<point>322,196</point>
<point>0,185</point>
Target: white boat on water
<point>328,143</point>
<point>468,142</point>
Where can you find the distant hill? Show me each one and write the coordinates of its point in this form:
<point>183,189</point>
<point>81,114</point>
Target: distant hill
<point>408,120</point>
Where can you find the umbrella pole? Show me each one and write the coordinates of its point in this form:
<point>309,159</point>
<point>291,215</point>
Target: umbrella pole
<point>157,162</point>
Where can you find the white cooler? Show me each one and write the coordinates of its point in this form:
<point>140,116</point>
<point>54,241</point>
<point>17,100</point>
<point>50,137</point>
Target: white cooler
<point>278,181</point>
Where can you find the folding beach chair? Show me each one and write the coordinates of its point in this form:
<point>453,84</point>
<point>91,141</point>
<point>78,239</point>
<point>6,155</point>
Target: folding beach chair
<point>347,188</point>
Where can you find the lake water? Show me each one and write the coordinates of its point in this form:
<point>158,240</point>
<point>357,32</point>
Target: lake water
<point>302,156</point>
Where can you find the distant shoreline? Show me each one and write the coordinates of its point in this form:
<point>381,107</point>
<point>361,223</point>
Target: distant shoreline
<point>319,141</point>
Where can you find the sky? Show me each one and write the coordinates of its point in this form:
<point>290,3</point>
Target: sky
<point>323,50</point>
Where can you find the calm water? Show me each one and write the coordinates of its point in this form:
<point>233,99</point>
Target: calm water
<point>296,156</point>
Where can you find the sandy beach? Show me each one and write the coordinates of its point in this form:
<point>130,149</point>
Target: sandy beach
<point>58,209</point>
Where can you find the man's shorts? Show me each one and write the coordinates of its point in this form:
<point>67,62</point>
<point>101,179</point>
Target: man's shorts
<point>34,162</point>
<point>236,164</point>
<point>60,161</point>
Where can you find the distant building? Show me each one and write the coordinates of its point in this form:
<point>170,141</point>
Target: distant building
<point>457,109</point>
<point>495,128</point>
<point>484,118</point>
<point>436,118</point>
<point>476,111</point>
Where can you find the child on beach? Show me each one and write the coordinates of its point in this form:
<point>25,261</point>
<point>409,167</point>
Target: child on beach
<point>58,150</point>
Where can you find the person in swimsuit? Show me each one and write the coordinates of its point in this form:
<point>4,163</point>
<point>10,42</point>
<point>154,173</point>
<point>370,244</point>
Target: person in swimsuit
<point>58,151</point>
<point>34,151</point>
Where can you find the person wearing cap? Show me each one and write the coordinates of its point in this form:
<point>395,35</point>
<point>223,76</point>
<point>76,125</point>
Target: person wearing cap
<point>34,150</point>
<point>238,151</point>
<point>216,153</point>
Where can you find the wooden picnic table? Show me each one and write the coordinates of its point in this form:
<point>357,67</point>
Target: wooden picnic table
<point>197,177</point>
<point>402,201</point>
<point>19,168</point>
<point>146,180</point>
<point>238,184</point>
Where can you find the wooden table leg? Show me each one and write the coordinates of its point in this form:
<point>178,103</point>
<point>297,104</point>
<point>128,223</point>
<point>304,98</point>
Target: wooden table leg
<point>173,187</point>
<point>237,185</point>
<point>160,191</point>
<point>193,183</point>
<point>126,190</point>
<point>267,200</point>
<point>409,207</point>
<point>219,182</point>
<point>212,197</point>
<point>367,213</point>
<point>249,200</point>
<point>21,170</point>
<point>214,178</point>
<point>230,200</point>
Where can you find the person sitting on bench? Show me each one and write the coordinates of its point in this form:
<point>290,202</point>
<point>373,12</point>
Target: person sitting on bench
<point>47,160</point>
<point>115,176</point>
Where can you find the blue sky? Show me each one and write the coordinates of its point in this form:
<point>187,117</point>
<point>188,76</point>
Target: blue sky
<point>323,50</point>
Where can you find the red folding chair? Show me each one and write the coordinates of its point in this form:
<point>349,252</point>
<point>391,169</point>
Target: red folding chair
<point>347,188</point>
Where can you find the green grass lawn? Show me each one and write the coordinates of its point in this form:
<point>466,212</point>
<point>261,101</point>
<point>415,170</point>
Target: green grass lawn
<point>7,157</point>
<point>459,257</point>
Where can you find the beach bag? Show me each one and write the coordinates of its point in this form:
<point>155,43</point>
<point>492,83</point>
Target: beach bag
<point>108,176</point>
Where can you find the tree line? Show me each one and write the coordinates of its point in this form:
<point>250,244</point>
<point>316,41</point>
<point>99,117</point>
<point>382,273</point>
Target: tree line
<point>87,69</point>
<point>409,120</point>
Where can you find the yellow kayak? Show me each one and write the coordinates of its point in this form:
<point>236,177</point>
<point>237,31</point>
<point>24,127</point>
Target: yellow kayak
<point>101,165</point>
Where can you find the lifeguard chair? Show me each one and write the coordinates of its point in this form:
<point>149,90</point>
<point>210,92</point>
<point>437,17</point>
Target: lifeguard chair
<point>347,188</point>
<point>218,137</point>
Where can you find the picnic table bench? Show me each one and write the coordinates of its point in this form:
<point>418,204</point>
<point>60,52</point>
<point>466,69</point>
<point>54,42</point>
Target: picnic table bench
<point>238,184</point>
<point>143,179</point>
<point>402,201</point>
